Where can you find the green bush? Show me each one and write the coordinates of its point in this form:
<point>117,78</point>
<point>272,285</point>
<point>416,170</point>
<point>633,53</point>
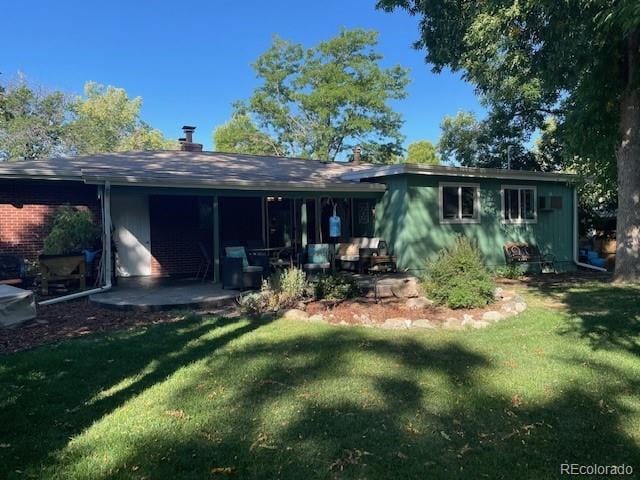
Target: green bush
<point>335,287</point>
<point>72,231</point>
<point>510,271</point>
<point>458,278</point>
<point>254,304</point>
<point>292,287</point>
<point>281,291</point>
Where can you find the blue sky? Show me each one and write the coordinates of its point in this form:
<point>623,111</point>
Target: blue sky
<point>190,60</point>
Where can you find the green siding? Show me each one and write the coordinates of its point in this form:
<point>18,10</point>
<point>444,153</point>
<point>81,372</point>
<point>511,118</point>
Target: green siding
<point>408,217</point>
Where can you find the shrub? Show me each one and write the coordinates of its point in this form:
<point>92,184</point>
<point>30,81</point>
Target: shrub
<point>510,271</point>
<point>72,231</point>
<point>254,304</point>
<point>335,287</point>
<point>282,290</point>
<point>458,278</point>
<point>292,287</point>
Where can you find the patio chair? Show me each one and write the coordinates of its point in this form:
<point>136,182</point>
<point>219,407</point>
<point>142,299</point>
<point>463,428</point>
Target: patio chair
<point>238,273</point>
<point>12,270</point>
<point>317,258</point>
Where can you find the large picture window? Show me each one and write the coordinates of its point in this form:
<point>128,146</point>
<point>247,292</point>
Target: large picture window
<point>459,203</point>
<point>519,204</point>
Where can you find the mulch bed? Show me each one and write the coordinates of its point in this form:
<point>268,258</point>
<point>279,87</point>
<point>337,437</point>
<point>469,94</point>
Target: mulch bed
<point>74,319</point>
<point>349,311</point>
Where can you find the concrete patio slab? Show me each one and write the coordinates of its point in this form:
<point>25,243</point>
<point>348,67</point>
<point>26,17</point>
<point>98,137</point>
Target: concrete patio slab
<point>154,295</point>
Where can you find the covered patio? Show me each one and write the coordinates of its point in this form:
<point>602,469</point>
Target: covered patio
<point>158,294</point>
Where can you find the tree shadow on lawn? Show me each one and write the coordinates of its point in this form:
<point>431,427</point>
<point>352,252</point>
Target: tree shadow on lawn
<point>311,414</point>
<point>52,393</point>
<point>608,316</point>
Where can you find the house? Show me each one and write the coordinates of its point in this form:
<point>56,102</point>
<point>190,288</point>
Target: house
<point>167,209</point>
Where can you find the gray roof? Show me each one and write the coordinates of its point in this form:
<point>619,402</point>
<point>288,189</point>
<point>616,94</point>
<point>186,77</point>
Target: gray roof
<point>372,171</point>
<point>194,169</point>
<point>239,171</point>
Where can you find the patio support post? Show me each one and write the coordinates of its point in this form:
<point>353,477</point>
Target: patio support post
<point>303,223</point>
<point>106,226</point>
<point>216,240</point>
<point>318,220</point>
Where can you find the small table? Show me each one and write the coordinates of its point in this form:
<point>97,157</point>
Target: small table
<point>382,263</point>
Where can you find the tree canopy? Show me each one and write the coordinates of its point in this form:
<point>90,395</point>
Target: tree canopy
<point>32,122</point>
<point>241,135</point>
<point>322,101</point>
<point>36,124</point>
<point>107,120</point>
<point>577,62</point>
<point>422,151</point>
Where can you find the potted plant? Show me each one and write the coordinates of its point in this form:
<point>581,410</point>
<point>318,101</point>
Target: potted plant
<point>73,232</point>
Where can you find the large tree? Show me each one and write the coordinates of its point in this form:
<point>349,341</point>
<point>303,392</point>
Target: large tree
<point>323,101</point>
<point>422,151</point>
<point>32,122</point>
<point>107,120</point>
<point>36,124</point>
<point>490,143</point>
<point>577,61</point>
<point>241,135</point>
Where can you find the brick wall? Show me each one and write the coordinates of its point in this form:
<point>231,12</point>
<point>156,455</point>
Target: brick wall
<point>27,207</point>
<point>175,233</point>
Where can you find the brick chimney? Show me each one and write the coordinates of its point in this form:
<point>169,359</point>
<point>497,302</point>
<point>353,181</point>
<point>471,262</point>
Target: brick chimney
<point>186,143</point>
<point>356,155</point>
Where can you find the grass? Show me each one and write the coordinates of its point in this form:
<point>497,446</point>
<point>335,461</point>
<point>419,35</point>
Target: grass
<point>220,398</point>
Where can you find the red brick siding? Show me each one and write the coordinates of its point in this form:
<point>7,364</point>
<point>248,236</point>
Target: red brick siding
<point>175,234</point>
<point>27,207</point>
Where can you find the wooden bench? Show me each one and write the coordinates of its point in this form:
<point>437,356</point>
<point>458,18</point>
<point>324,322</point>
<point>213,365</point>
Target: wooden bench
<point>526,254</point>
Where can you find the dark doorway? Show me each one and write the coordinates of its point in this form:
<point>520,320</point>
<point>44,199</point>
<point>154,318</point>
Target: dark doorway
<point>241,222</point>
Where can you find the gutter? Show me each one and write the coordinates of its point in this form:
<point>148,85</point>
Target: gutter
<point>106,249</point>
<point>575,236</point>
<point>470,172</point>
<point>150,181</point>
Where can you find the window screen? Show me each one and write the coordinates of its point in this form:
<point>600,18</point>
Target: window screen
<point>459,203</point>
<point>519,204</point>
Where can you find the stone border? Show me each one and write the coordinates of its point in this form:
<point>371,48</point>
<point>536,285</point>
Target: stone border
<point>508,304</point>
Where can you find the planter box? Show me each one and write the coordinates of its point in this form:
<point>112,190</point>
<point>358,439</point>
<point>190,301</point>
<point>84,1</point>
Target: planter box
<point>54,268</point>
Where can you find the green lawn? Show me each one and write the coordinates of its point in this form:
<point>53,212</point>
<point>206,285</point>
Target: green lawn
<point>230,398</point>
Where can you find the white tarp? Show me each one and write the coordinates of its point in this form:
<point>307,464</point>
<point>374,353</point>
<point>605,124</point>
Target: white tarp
<point>16,305</point>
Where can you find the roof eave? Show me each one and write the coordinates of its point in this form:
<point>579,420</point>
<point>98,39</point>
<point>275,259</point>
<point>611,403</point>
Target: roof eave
<point>400,169</point>
<point>234,184</point>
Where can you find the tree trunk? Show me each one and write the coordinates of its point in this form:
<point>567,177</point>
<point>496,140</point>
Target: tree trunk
<point>628,160</point>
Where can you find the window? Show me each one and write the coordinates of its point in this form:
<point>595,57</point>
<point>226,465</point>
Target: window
<point>519,204</point>
<point>459,203</point>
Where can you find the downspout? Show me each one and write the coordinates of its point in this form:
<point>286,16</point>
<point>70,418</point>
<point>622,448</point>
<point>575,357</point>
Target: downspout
<point>106,250</point>
<point>575,236</point>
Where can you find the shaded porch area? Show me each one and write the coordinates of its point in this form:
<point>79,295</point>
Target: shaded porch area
<point>157,294</point>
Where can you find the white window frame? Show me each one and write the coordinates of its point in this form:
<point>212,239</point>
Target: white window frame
<point>476,203</point>
<point>518,221</point>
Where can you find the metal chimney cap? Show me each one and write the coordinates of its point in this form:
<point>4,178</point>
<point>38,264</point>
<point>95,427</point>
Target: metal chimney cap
<point>188,128</point>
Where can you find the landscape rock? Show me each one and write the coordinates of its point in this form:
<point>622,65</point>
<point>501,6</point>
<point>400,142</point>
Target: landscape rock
<point>406,288</point>
<point>295,314</point>
<point>452,323</point>
<point>316,318</point>
<point>520,307</point>
<point>509,307</point>
<point>492,316</point>
<point>480,324</point>
<point>422,323</point>
<point>397,323</point>
<point>418,303</point>
<point>467,320</point>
